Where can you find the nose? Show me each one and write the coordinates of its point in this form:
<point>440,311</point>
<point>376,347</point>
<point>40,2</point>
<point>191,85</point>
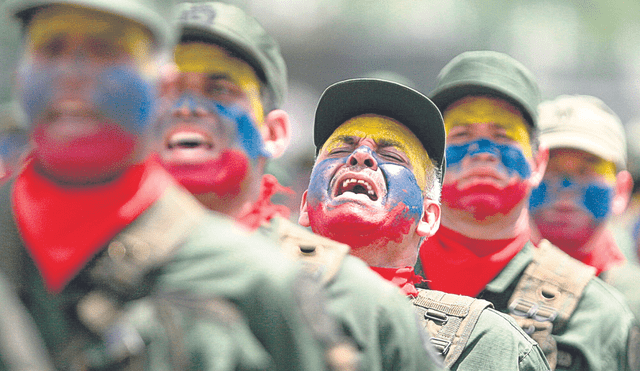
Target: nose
<point>483,150</point>
<point>363,157</point>
<point>187,106</point>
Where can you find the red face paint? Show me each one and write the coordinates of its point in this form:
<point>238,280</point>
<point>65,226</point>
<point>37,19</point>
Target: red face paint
<point>90,152</point>
<point>350,223</point>
<point>222,175</point>
<point>484,200</point>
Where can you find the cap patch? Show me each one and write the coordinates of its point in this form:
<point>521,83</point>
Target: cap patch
<point>203,14</point>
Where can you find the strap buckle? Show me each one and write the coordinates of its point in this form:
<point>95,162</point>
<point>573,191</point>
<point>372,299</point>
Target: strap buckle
<point>526,308</point>
<point>441,345</point>
<point>436,316</point>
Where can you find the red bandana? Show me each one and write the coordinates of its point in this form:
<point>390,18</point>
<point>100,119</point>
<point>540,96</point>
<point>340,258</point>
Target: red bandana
<point>450,264</point>
<point>263,210</point>
<point>63,228</point>
<point>404,278</point>
<point>605,255</point>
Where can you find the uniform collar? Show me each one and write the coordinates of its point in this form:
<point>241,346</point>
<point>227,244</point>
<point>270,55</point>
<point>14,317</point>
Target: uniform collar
<point>512,270</point>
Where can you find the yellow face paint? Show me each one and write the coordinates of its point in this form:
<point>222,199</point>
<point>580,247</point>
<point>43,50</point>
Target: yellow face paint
<point>210,59</point>
<point>382,129</point>
<point>477,110</point>
<point>607,169</point>
<point>73,22</point>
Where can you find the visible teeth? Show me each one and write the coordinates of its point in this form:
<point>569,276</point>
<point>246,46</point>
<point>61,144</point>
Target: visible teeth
<point>364,183</point>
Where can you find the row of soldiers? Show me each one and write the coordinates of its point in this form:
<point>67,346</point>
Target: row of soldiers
<point>138,232</point>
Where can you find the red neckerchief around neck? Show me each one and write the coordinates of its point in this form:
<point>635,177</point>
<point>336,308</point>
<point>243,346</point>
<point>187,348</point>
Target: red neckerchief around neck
<point>450,265</point>
<point>64,227</point>
<point>263,209</point>
<point>405,278</point>
<point>605,255</point>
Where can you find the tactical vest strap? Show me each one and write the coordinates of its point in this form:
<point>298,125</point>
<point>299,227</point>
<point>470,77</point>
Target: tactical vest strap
<point>449,319</point>
<point>546,296</point>
<point>322,257</point>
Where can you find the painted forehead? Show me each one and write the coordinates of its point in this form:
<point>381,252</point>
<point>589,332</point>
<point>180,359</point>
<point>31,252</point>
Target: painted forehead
<point>67,20</point>
<point>205,58</point>
<point>384,130</point>
<point>478,110</point>
<point>568,158</point>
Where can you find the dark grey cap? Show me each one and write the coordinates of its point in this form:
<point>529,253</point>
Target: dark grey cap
<point>236,31</point>
<point>488,73</point>
<point>350,98</point>
<point>145,12</point>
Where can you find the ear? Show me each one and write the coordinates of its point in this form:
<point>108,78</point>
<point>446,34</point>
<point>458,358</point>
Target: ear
<point>623,189</point>
<point>430,221</point>
<point>540,161</point>
<point>276,132</point>
<point>303,219</point>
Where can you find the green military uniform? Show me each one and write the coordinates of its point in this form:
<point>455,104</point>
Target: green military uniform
<point>600,335</point>
<point>369,309</point>
<point>625,278</point>
<point>219,305</point>
<point>474,336</point>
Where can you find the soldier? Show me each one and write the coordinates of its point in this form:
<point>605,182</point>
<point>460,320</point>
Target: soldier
<point>220,123</point>
<point>119,267</point>
<point>376,187</point>
<point>482,249</point>
<point>586,184</point>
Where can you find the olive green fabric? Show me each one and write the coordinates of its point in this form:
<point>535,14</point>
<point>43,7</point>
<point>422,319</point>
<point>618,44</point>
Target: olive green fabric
<point>232,28</point>
<point>374,313</point>
<point>596,335</point>
<point>626,278</point>
<point>498,343</point>
<point>488,73</point>
<point>149,13</point>
<point>224,306</point>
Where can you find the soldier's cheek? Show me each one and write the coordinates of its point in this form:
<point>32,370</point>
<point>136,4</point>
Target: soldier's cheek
<point>402,188</point>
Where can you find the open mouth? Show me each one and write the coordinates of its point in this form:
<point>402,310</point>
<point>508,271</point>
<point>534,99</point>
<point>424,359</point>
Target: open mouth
<point>188,140</point>
<point>356,186</point>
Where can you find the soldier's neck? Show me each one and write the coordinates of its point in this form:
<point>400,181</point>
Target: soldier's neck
<point>387,254</point>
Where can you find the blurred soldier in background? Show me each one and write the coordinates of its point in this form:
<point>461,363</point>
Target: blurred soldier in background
<point>489,103</point>
<point>586,186</point>
<point>14,139</point>
<point>117,265</point>
<point>376,187</point>
<point>220,124</point>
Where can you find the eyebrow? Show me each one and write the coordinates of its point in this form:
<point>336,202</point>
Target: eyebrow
<point>219,76</point>
<point>351,139</point>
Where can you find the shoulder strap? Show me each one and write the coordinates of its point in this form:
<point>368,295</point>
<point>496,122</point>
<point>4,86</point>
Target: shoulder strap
<point>449,319</point>
<point>546,296</point>
<point>321,256</point>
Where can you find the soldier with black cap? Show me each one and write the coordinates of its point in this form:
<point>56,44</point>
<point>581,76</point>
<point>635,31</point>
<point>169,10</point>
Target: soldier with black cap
<point>489,103</point>
<point>376,187</point>
<point>116,264</point>
<point>219,125</point>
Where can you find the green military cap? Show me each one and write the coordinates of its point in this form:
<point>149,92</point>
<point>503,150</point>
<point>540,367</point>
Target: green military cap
<point>144,12</point>
<point>236,31</point>
<point>350,98</point>
<point>488,73</point>
<point>586,123</point>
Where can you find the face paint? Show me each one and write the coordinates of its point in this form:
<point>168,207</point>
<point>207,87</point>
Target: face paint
<point>381,130</point>
<point>60,22</point>
<point>475,110</point>
<point>568,212</point>
<point>208,59</point>
<point>511,157</point>
<point>88,106</point>
<point>222,168</point>
<point>358,220</point>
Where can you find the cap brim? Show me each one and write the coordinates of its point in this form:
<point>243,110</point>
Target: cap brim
<point>347,99</point>
<point>573,140</point>
<point>447,94</point>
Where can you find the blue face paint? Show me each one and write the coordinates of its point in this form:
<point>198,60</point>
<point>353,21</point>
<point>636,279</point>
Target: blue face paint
<point>120,94</point>
<point>595,197</point>
<point>511,157</point>
<point>402,186</point>
<point>234,118</point>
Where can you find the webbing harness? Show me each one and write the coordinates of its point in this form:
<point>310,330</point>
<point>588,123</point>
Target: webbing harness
<point>546,296</point>
<point>449,319</point>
